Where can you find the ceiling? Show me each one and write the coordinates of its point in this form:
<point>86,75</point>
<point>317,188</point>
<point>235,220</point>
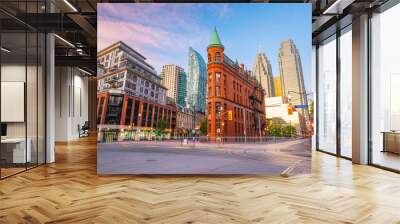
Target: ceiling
<point>330,15</point>
<point>73,21</point>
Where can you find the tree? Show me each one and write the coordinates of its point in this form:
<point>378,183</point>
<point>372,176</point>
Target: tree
<point>274,130</point>
<point>203,127</point>
<point>289,131</point>
<point>161,126</point>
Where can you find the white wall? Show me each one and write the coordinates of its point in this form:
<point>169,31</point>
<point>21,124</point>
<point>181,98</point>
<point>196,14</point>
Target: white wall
<point>33,126</point>
<point>71,102</point>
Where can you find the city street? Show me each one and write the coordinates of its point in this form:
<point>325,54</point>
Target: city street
<point>286,157</point>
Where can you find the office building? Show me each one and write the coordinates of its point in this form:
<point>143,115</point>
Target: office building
<point>232,89</point>
<point>127,72</point>
<point>130,94</point>
<point>174,79</point>
<point>262,71</point>
<point>292,80</point>
<point>277,86</point>
<point>196,82</point>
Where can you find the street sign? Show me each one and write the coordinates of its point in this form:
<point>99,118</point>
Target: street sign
<point>301,106</point>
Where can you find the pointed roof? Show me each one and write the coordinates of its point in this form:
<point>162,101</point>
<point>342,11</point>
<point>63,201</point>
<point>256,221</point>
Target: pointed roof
<point>215,41</point>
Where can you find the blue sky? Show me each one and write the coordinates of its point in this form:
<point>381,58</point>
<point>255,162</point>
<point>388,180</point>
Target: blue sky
<point>164,32</point>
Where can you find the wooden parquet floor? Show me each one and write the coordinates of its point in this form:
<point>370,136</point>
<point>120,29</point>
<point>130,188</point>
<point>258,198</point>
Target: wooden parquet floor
<point>70,191</point>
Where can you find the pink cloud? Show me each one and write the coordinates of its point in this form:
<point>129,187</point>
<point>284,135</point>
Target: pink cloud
<point>161,32</point>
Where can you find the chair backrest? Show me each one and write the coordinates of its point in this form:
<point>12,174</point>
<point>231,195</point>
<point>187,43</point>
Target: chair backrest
<point>86,125</point>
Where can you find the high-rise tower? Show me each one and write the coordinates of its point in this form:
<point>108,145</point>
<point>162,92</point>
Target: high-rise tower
<point>292,80</point>
<point>174,78</point>
<point>263,73</point>
<point>196,82</point>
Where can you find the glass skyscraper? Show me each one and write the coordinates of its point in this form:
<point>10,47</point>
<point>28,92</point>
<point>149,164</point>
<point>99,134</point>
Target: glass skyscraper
<point>181,89</point>
<point>196,81</point>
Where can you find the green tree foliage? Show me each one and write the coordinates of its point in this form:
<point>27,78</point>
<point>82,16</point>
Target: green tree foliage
<point>281,131</point>
<point>289,131</point>
<point>161,126</point>
<point>274,130</point>
<point>203,127</point>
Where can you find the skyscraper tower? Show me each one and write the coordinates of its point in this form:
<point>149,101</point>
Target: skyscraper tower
<point>263,73</point>
<point>174,78</point>
<point>292,80</point>
<point>196,82</point>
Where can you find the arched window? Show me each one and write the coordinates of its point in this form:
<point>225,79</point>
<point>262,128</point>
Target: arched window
<point>217,56</point>
<point>209,57</point>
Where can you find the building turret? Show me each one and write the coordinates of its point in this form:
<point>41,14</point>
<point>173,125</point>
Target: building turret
<point>215,49</point>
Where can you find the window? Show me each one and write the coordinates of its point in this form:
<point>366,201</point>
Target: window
<point>128,111</point>
<point>385,88</point>
<point>23,74</point>
<point>144,114</point>
<point>217,91</point>
<point>218,78</point>
<point>155,119</point>
<point>346,92</point>
<point>327,98</point>
<point>150,115</point>
<point>217,56</point>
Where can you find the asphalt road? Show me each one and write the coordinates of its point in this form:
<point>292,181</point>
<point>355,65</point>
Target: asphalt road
<point>203,158</point>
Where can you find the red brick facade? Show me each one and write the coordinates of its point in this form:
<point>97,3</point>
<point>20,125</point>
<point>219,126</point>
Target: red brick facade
<point>133,112</point>
<point>231,88</point>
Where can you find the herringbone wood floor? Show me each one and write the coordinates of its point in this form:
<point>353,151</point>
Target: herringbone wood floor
<point>70,191</point>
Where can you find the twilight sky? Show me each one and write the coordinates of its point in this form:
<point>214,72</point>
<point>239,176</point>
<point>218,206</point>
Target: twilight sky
<point>164,32</point>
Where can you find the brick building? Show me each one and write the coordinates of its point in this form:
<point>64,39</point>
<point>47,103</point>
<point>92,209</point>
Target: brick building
<point>232,88</point>
<point>133,113</point>
<point>131,97</point>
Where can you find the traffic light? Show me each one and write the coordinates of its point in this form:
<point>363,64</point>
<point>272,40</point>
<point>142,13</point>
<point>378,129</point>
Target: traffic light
<point>230,115</point>
<point>289,109</point>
